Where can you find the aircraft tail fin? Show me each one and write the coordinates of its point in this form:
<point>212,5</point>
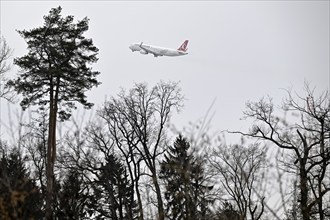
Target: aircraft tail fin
<point>183,47</point>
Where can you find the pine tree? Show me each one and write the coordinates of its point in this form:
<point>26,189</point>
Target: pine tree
<point>184,181</point>
<point>56,74</point>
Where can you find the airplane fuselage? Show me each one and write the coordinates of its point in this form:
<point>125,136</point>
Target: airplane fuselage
<point>155,50</point>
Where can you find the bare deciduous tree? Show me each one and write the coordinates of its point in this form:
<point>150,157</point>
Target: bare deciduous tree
<point>240,172</point>
<point>305,139</point>
<point>5,53</point>
<point>146,113</point>
<point>34,141</point>
<point>125,140</point>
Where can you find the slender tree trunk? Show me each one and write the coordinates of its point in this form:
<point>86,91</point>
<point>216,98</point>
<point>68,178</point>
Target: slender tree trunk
<point>138,195</point>
<point>131,199</point>
<point>135,177</point>
<point>49,163</point>
<point>303,186</point>
<point>323,170</point>
<point>112,202</point>
<point>320,202</point>
<point>136,183</point>
<point>304,193</point>
<point>161,213</point>
<point>121,202</point>
<point>51,150</point>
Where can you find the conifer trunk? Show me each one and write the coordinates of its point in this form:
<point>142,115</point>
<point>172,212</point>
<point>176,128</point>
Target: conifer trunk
<point>50,164</point>
<point>51,150</point>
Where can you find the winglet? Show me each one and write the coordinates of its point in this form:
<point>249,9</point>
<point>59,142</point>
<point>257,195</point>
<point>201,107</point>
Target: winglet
<point>183,47</point>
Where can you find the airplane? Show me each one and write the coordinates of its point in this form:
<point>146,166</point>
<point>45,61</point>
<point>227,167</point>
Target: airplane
<point>160,51</point>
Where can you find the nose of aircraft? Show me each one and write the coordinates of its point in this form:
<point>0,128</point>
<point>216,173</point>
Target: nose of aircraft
<point>131,47</point>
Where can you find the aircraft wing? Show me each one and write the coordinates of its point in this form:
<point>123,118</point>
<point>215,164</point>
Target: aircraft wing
<point>150,51</point>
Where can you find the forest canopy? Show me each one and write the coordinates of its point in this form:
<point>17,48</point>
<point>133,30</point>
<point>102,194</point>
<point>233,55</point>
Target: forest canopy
<point>127,163</point>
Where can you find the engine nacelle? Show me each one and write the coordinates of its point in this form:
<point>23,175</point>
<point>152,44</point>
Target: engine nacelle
<point>143,52</point>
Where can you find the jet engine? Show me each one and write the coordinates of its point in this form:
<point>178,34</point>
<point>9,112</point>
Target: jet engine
<point>143,52</point>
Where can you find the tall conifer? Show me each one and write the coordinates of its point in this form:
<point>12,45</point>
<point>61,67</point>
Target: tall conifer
<point>55,74</point>
<point>185,183</point>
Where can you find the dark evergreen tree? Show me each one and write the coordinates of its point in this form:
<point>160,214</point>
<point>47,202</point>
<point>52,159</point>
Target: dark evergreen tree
<point>55,74</point>
<point>72,197</point>
<point>20,198</point>
<point>228,212</point>
<point>185,183</point>
<point>111,197</point>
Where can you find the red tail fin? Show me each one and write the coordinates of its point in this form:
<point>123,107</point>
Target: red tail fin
<point>183,47</point>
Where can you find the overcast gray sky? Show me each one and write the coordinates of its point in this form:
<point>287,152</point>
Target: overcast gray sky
<point>238,50</point>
